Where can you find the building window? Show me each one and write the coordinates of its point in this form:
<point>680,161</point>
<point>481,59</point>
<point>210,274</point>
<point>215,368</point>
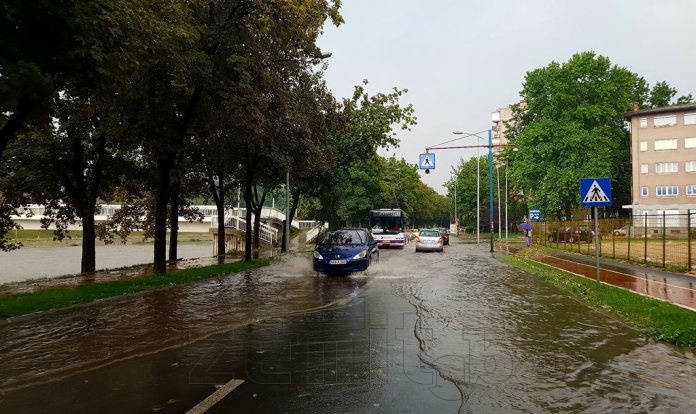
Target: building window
<point>690,166</point>
<point>643,146</point>
<point>689,142</point>
<point>689,119</point>
<point>664,121</point>
<point>666,167</point>
<point>665,144</point>
<point>691,190</point>
<point>644,168</point>
<point>666,190</point>
<point>644,191</point>
<point>644,122</point>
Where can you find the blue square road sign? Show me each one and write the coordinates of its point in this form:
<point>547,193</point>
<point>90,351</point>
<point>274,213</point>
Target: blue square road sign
<point>426,161</point>
<point>595,192</point>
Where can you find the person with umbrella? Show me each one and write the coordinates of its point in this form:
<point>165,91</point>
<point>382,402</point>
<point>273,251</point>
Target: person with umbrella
<point>526,228</point>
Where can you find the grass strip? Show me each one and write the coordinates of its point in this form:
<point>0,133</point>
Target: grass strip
<point>25,303</point>
<point>658,320</point>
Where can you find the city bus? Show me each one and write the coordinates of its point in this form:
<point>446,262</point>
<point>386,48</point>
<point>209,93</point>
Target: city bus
<point>388,226</point>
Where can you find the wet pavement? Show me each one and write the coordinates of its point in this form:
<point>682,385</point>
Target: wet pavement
<point>672,287</point>
<point>38,262</point>
<point>427,332</point>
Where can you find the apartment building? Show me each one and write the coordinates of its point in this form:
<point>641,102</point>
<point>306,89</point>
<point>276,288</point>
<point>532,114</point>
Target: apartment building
<point>500,117</point>
<point>663,154</point>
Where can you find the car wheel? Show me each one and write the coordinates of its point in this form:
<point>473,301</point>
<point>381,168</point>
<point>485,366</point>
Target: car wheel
<point>571,239</point>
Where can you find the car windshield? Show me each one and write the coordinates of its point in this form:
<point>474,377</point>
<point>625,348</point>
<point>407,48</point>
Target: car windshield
<point>429,233</point>
<point>343,237</point>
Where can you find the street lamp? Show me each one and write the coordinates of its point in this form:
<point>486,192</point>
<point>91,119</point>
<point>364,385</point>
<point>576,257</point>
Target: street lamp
<point>490,175</point>
<point>478,186</point>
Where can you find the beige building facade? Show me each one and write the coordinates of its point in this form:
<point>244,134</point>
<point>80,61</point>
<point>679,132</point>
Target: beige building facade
<point>663,155</point>
<point>500,117</point>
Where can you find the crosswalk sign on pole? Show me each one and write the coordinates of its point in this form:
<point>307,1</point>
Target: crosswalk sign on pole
<point>595,192</point>
<point>426,161</point>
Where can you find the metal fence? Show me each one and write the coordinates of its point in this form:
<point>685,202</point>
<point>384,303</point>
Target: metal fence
<point>663,240</point>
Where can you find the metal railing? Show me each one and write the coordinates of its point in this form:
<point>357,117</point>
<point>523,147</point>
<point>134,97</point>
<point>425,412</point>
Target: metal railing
<point>267,233</point>
<point>313,232</point>
<point>663,240</point>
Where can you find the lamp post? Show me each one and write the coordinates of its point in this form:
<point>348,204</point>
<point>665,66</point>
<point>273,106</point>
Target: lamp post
<point>507,224</point>
<point>478,187</point>
<point>456,211</point>
<point>500,220</point>
<point>490,183</point>
<point>490,176</point>
<point>478,195</point>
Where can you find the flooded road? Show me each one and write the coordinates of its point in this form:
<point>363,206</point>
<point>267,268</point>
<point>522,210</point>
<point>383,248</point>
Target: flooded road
<point>37,262</point>
<point>427,332</point>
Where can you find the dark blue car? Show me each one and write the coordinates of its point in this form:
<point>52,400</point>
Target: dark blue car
<point>345,250</point>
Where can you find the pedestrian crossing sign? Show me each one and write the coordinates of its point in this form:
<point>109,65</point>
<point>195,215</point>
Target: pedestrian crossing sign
<point>427,161</point>
<point>595,192</point>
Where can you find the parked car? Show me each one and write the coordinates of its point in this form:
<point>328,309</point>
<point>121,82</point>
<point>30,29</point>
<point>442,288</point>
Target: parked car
<point>430,240</point>
<point>345,250</point>
<point>623,231</point>
<point>571,234</point>
<point>445,236</point>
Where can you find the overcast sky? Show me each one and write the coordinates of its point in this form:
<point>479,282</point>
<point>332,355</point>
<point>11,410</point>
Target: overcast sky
<point>461,60</point>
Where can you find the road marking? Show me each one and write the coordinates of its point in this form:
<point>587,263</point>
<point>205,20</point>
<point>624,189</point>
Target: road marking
<point>215,397</point>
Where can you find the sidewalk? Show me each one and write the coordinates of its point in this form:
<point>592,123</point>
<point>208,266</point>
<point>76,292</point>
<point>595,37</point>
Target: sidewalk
<point>672,287</point>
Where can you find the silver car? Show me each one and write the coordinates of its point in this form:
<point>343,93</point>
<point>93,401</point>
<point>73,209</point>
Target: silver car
<point>429,240</point>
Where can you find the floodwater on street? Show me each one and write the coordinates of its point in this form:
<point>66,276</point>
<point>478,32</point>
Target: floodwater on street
<point>38,262</point>
<point>426,332</point>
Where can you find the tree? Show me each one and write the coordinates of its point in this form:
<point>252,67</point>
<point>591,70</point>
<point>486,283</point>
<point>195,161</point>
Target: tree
<point>65,157</point>
<point>369,123</point>
<point>685,99</point>
<point>34,60</point>
<point>661,95</point>
<point>571,126</point>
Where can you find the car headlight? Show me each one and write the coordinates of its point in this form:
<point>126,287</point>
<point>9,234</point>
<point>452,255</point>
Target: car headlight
<point>360,255</point>
<point>317,255</point>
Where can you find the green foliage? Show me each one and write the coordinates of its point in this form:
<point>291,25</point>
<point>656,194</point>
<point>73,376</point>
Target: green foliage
<point>571,126</point>
<point>350,186</point>
<point>466,177</point>
<point>685,99</point>
<point>661,95</point>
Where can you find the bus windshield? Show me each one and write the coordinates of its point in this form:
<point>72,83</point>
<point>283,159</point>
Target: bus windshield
<point>387,221</point>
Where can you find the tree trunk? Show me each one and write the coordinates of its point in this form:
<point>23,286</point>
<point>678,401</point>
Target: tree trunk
<point>295,203</point>
<point>174,223</point>
<point>248,230</point>
<point>161,202</point>
<point>258,209</point>
<point>220,203</point>
<point>257,230</point>
<point>88,265</point>
<point>283,246</point>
